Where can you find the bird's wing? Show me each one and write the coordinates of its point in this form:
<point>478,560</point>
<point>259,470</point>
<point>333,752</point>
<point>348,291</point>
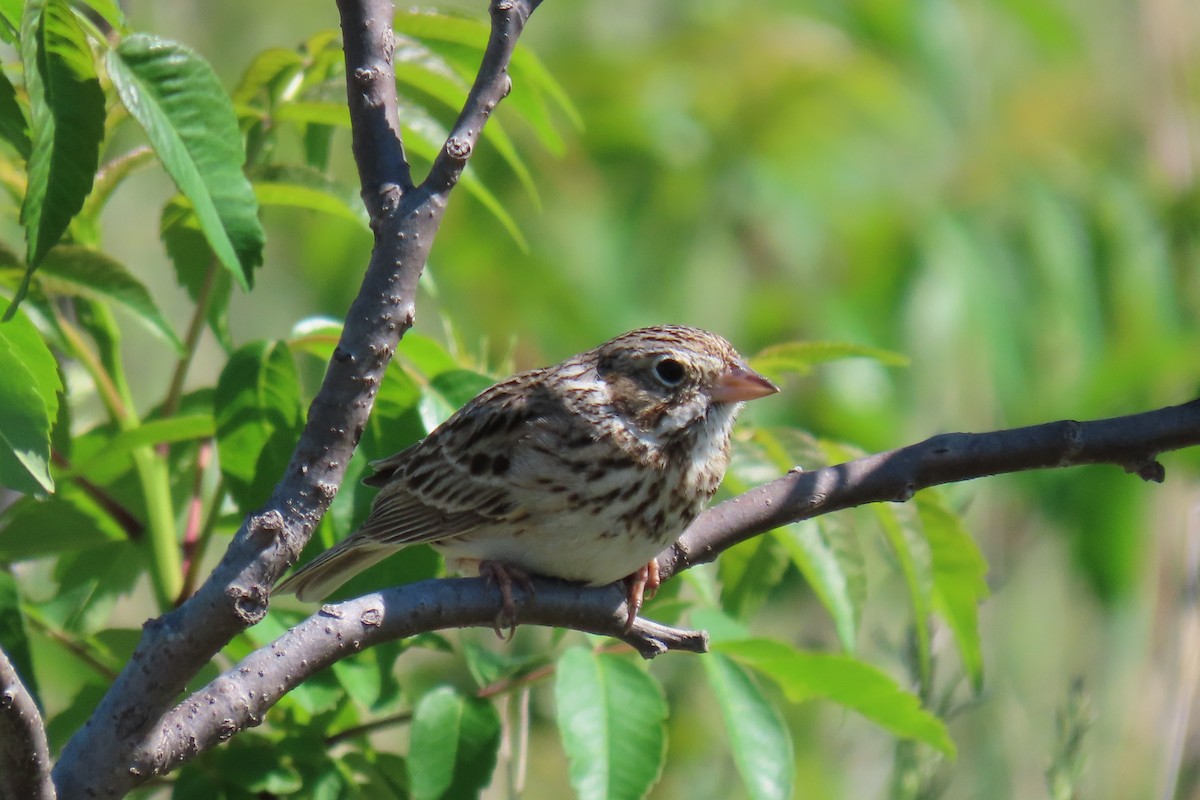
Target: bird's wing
<point>466,474</point>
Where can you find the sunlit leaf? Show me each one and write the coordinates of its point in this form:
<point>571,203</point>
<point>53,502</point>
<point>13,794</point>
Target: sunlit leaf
<point>179,102</point>
<point>758,737</point>
<point>611,715</point>
<point>844,680</point>
<point>454,744</point>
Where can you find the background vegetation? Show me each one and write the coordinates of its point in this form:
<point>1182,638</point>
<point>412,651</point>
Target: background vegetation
<point>1005,192</point>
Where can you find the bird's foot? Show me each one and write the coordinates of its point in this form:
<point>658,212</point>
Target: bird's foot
<point>640,586</point>
<point>503,576</point>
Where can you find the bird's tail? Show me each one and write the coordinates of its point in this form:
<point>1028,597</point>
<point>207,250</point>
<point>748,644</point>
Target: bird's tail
<point>320,577</point>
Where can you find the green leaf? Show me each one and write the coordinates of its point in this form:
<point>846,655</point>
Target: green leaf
<point>29,397</point>
<point>827,553</point>
<point>264,70</point>
<point>177,99</point>
<point>845,680</point>
<point>800,357</point>
<point>296,195</point>
<point>13,639</point>
<point>530,76</point>
<point>748,572</point>
<point>454,744</point>
<point>196,266</point>
<point>761,744</point>
<point>958,578</point>
<point>67,107</point>
<point>900,529</point>
<point>259,417</point>
<point>110,12</point>
<point>425,354</point>
<point>14,128</point>
<point>10,19</point>
<point>448,392</point>
<point>160,431</point>
<point>70,520</point>
<point>611,716</point>
<point>74,271</point>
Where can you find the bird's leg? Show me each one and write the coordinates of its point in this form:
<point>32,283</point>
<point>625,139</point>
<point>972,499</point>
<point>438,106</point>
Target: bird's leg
<point>503,576</point>
<point>640,585</point>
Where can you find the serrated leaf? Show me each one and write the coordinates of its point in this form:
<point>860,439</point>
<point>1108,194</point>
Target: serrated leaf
<point>758,737</point>
<point>845,680</point>
<point>959,586</point>
<point>832,564</point>
<point>14,128</point>
<point>259,415</point>
<point>801,357</point>
<point>29,397</point>
<point>67,110</point>
<point>74,271</point>
<point>611,716</point>
<point>177,99</point>
<point>454,744</point>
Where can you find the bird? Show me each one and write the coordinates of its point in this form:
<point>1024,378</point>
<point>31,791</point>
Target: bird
<point>582,471</point>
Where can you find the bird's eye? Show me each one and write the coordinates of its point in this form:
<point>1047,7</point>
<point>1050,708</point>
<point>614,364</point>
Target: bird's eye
<point>669,371</point>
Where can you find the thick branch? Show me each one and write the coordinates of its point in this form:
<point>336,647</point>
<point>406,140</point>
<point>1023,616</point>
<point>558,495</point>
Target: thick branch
<point>241,696</point>
<point>24,754</point>
<point>176,646</point>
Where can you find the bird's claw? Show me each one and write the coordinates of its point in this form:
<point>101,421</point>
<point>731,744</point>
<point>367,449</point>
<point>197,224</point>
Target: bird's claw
<point>641,585</point>
<point>503,576</point>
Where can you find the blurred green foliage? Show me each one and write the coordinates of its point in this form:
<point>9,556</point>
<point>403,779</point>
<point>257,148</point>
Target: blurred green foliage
<point>1003,192</point>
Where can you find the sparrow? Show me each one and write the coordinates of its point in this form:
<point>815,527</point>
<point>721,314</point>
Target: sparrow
<point>582,471</point>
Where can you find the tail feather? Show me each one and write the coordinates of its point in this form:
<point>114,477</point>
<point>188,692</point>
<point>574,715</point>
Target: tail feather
<point>320,577</point>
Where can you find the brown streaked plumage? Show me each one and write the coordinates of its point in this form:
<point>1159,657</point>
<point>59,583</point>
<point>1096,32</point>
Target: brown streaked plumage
<point>583,471</point>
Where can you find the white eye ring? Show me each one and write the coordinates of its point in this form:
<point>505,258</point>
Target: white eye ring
<point>669,371</point>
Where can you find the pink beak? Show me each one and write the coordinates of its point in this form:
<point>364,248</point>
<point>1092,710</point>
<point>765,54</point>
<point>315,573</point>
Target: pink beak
<point>739,383</point>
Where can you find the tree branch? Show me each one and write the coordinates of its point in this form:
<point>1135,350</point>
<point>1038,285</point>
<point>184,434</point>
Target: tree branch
<point>242,696</point>
<point>1132,442</point>
<point>174,647</point>
<point>24,754</point>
